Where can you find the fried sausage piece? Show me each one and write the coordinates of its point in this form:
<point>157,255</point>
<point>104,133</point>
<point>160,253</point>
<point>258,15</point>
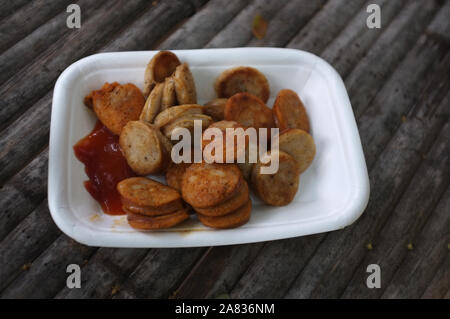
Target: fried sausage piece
<point>205,185</point>
<point>300,145</point>
<point>157,222</point>
<point>169,97</point>
<point>277,189</point>
<point>116,104</point>
<point>175,173</point>
<point>170,114</point>
<point>143,191</point>
<point>228,144</point>
<point>153,104</point>
<point>242,79</point>
<point>162,65</point>
<point>142,148</point>
<point>184,85</point>
<point>186,121</point>
<point>216,108</point>
<point>289,111</point>
<point>249,111</point>
<point>130,207</point>
<point>237,218</point>
<point>228,206</point>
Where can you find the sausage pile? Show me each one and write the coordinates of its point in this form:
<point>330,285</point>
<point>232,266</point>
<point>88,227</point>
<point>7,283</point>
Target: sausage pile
<point>148,124</point>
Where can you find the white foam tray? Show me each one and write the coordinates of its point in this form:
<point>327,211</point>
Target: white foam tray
<point>333,191</point>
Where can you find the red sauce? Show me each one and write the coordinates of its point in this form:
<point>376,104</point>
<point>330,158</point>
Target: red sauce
<point>105,166</point>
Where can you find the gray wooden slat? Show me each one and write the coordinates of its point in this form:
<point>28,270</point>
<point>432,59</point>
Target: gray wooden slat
<point>239,31</point>
<point>218,271</point>
<point>440,27</point>
<point>29,17</point>
<point>158,21</point>
<point>159,273</point>
<point>388,179</point>
<point>8,7</point>
<point>25,137</point>
<point>23,193</point>
<point>439,285</point>
<point>384,115</point>
<point>40,39</point>
<point>416,205</point>
<point>104,272</point>
<point>429,249</point>
<point>326,27</point>
<point>387,52</point>
<point>285,24</point>
<point>29,84</point>
<point>25,243</point>
<point>198,30</point>
<point>272,271</point>
<point>47,272</point>
<point>357,38</point>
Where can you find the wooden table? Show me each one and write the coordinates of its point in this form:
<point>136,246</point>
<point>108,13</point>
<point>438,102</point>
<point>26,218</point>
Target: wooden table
<point>398,79</point>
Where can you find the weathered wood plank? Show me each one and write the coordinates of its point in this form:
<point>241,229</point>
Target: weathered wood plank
<point>23,193</point>
<point>239,31</point>
<point>25,243</point>
<point>430,248</point>
<point>384,115</point>
<point>199,29</point>
<point>13,28</point>
<point>272,272</point>
<point>324,26</point>
<point>284,25</point>
<point>417,203</point>
<point>440,28</point>
<point>325,274</point>
<point>48,272</point>
<point>372,71</point>
<point>218,271</point>
<point>8,7</point>
<point>28,85</point>
<point>28,48</point>
<point>356,38</point>
<point>146,30</point>
<point>104,273</point>
<point>25,138</point>
<point>439,285</point>
<point>159,273</point>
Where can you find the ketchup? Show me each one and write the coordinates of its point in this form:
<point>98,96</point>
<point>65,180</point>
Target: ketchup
<point>105,166</point>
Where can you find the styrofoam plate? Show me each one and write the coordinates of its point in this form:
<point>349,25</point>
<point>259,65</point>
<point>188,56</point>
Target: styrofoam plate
<point>333,191</point>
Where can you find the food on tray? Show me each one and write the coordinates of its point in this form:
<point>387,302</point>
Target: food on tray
<point>249,111</point>
<point>175,173</point>
<point>236,218</point>
<point>151,205</point>
<point>184,85</point>
<point>170,114</point>
<point>242,79</point>
<point>153,104</point>
<point>242,196</point>
<point>104,165</point>
<point>280,188</point>
<point>116,104</point>
<point>162,65</point>
<point>300,145</point>
<point>206,185</point>
<point>215,108</point>
<point>144,148</point>
<point>289,111</point>
<point>136,139</point>
<point>169,97</point>
<point>230,144</point>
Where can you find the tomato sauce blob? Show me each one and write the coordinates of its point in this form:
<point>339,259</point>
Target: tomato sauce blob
<point>105,166</point>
